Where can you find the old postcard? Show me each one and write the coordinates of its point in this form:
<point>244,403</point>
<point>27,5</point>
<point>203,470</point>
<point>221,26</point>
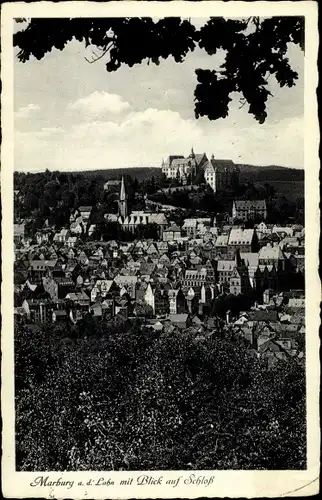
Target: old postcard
<point>160,227</point>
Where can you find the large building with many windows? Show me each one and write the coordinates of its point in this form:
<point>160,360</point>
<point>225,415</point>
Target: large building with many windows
<point>249,209</point>
<point>219,174</point>
<point>184,169</point>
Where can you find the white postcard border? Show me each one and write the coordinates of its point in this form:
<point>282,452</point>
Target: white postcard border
<point>224,483</point>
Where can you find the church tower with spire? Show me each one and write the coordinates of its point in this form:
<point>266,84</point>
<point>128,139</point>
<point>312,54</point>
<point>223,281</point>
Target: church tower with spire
<point>123,200</point>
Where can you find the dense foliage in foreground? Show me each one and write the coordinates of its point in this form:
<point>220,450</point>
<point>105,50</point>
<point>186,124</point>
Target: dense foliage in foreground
<point>143,400</point>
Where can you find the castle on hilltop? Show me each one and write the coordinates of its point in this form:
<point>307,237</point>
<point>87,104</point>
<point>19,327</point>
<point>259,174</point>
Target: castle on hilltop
<point>219,174</point>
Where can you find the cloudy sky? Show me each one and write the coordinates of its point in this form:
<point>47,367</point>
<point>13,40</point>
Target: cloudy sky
<point>72,115</point>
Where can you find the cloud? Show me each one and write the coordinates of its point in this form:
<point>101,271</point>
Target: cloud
<point>47,132</point>
<point>143,138</point>
<point>26,111</point>
<point>100,103</point>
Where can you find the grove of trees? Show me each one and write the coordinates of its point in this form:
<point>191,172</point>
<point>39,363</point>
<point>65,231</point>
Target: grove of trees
<point>140,400</point>
<point>53,196</point>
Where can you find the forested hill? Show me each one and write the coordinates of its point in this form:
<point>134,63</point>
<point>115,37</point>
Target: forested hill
<point>140,173</point>
<point>248,173</point>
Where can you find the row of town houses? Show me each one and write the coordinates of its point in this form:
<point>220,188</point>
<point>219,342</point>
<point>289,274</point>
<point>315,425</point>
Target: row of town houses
<point>170,288</point>
<point>171,282</point>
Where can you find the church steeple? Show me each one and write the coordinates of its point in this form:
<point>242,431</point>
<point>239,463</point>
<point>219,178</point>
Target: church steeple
<point>123,200</point>
<point>238,260</point>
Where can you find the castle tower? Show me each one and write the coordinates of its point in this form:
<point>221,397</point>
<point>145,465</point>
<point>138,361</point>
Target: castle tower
<point>123,200</point>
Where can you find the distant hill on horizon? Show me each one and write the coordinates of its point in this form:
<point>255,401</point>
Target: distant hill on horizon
<point>252,173</point>
<point>116,172</point>
<point>286,181</point>
<point>248,173</point>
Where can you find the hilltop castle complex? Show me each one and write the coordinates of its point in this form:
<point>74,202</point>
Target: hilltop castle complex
<point>219,174</point>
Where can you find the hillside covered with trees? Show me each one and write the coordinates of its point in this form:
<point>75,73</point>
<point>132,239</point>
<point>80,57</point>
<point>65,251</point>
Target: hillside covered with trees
<point>53,196</point>
<point>96,397</point>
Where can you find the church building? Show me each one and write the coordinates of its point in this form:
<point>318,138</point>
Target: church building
<point>130,221</point>
<point>123,201</point>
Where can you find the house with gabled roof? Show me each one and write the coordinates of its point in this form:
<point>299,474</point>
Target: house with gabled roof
<point>164,259</point>
<point>18,233</point>
<point>249,209</point>
<point>112,186</point>
<point>224,270</point>
<point>71,241</point>
<point>274,350</point>
<point>152,249</point>
<point>180,320</point>
<point>77,228</point>
<point>37,310</point>
<point>245,240</point>
<point>172,233</point>
<point>62,236</point>
<point>263,229</point>
<point>85,212</point>
<point>59,316</point>
<point>82,258</point>
<point>221,244</point>
<point>271,255</point>
<point>79,298</point>
<point>239,281</point>
<point>156,296</point>
<point>129,282</point>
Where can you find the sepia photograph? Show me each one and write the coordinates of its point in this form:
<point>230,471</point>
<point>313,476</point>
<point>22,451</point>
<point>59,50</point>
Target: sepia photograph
<point>159,267</point>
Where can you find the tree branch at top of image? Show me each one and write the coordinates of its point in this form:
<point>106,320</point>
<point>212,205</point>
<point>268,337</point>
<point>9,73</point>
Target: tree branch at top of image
<point>254,48</point>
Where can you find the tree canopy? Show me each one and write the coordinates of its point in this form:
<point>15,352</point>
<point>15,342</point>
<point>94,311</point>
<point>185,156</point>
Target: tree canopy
<point>254,48</point>
<point>143,400</point>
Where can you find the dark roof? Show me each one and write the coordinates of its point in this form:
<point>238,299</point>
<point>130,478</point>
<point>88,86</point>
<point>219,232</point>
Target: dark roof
<point>250,204</point>
<point>178,318</point>
<point>60,313</point>
<point>85,208</point>
<point>42,264</point>
<point>262,315</point>
<point>222,164</point>
<point>173,228</point>
<point>113,182</point>
<point>64,281</point>
<point>174,157</point>
<point>38,302</point>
